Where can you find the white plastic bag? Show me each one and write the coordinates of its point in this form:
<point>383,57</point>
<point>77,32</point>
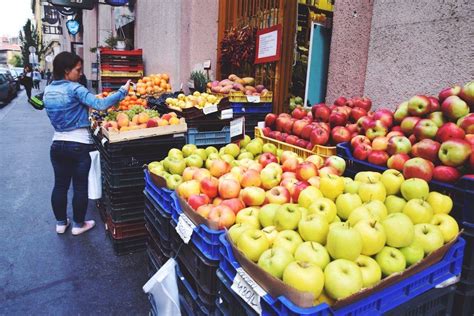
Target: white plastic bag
<point>163,290</point>
<point>95,178</point>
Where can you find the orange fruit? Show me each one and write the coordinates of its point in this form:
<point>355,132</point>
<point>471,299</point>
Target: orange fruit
<point>165,77</point>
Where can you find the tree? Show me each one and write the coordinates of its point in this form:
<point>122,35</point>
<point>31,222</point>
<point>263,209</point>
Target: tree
<point>16,61</point>
<point>29,37</point>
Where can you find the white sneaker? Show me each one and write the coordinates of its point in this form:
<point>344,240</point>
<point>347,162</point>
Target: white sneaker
<point>61,229</point>
<point>87,226</point>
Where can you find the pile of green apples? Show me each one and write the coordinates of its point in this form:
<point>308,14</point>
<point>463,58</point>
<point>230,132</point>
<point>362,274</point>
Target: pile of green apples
<point>344,235</point>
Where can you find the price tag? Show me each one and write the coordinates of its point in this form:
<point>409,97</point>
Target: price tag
<point>178,135</point>
<point>103,141</point>
<point>237,127</point>
<point>227,114</point>
<point>210,109</point>
<point>96,131</point>
<point>248,290</point>
<point>253,98</point>
<point>261,124</point>
<point>185,228</point>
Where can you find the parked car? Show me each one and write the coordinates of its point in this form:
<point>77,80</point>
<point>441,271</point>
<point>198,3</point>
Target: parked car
<point>5,89</point>
<point>16,76</point>
<point>12,83</point>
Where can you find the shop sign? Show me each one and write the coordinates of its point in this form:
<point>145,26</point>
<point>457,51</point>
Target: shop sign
<point>51,15</point>
<point>79,4</point>
<point>73,27</point>
<point>51,29</point>
<point>268,44</point>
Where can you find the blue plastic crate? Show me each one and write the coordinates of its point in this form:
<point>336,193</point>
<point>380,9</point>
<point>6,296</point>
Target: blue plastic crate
<point>161,196</point>
<point>208,138</point>
<point>376,304</point>
<point>462,192</point>
<point>251,108</point>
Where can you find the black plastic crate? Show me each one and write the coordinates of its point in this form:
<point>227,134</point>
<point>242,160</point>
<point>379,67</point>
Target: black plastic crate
<point>128,245</point>
<point>468,235</point>
<point>155,261</point>
<point>160,217</point>
<point>434,302</point>
<point>123,179</point>
<point>463,303</point>
<point>251,121</point>
<point>126,212</point>
<point>127,229</point>
<point>114,199</point>
<point>228,302</point>
<point>156,240</point>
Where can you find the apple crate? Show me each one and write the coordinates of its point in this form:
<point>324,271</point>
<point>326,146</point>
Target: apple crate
<point>208,138</point>
<point>461,192</point>
<point>378,303</point>
<point>125,230</point>
<point>203,237</point>
<point>128,245</point>
<point>251,108</point>
<point>463,302</point>
<point>159,218</point>
<point>162,196</point>
<point>229,303</point>
<point>156,241</point>
<point>323,151</point>
<point>125,213</point>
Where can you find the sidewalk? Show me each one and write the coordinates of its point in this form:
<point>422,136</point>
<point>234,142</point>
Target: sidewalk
<point>40,271</point>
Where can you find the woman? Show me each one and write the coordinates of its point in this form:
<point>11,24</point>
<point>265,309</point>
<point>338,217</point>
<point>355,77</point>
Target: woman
<point>27,80</point>
<point>67,104</point>
<point>36,79</point>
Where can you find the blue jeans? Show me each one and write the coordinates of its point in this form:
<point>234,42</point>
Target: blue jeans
<point>70,160</point>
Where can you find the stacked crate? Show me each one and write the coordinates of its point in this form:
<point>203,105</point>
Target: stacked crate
<point>118,66</point>
<point>464,299</point>
<point>122,192</point>
<point>253,113</point>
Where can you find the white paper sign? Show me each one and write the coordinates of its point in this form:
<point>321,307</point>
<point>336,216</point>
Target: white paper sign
<point>185,228</point>
<point>227,114</point>
<point>267,45</point>
<point>253,98</point>
<point>261,124</point>
<point>248,290</point>
<point>209,109</point>
<point>96,131</point>
<point>237,127</point>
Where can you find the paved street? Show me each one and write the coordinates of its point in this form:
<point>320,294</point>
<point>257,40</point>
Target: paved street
<point>40,271</point>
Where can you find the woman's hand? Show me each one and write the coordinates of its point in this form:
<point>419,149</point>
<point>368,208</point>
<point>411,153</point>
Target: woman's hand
<point>126,86</point>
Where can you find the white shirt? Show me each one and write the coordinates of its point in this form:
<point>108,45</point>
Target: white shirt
<point>79,135</point>
<point>36,75</point>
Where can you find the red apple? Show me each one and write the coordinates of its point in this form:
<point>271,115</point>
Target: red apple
<point>467,123</point>
<point>290,164</point>
<point>298,113</point>
<point>364,103</point>
<point>274,134</point>
<point>454,152</point>
<point>378,157</point>
<point>337,119</point>
<point>196,200</point>
<point>222,215</point>
<point>267,158</point>
<point>385,116</point>
<point>235,204</point>
<point>291,139</point>
<point>357,113</point>
<point>266,131</point>
<point>324,126</point>
<point>364,123</point>
<point>446,174</point>
<point>418,168</point>
<point>362,151</point>
<point>302,143</point>
<point>359,139</point>
<point>278,195</point>
<point>408,124</point>
<point>289,174</point>
<point>321,112</point>
<point>380,143</point>
<point>467,94</point>
<point>470,139</point>
<point>306,170</point>
<point>398,145</point>
<point>434,104</point>
<point>204,210</point>
<point>209,186</point>
<point>340,101</point>
<point>454,107</point>
<point>306,131</point>
<point>412,139</point>
<point>447,92</point>
<point>299,186</point>
<point>319,136</point>
<point>352,128</point>
<point>425,128</point>
<point>375,128</point>
<point>394,133</point>
<point>427,149</point>
<point>397,161</point>
<point>419,105</point>
<point>449,131</point>
<point>298,127</point>
<point>270,120</point>
<point>340,134</point>
<point>397,129</point>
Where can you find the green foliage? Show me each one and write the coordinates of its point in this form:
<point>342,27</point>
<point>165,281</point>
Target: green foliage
<point>29,37</point>
<point>16,61</point>
<point>200,80</point>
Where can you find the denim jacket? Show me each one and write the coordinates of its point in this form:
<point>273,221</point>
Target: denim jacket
<point>67,104</point>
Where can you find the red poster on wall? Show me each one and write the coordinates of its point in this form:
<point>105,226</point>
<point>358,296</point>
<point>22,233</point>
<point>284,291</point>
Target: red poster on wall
<point>268,44</point>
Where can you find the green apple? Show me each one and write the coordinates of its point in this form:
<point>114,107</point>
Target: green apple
<point>342,278</point>
<point>227,158</point>
<point>360,213</point>
<point>188,149</point>
<point>236,230</point>
<point>232,149</point>
<point>201,152</point>
<point>271,232</point>
<point>210,159</point>
<point>258,140</point>
<point>373,236</point>
<point>245,155</point>
<point>367,176</point>
<point>440,203</point>
<point>194,160</point>
<point>399,230</point>
<point>210,150</point>
<point>235,163</point>
<point>377,208</point>
<point>412,253</point>
<point>369,191</point>
<point>287,239</point>
<point>448,226</point>
<point>156,168</point>
<point>391,260</point>
<point>279,152</point>
<point>415,188</point>
<point>270,177</point>
<point>331,186</point>
<point>173,181</point>
<point>221,151</point>
<point>274,261</point>
<point>266,214</point>
<point>344,242</point>
<point>163,174</point>
<point>174,165</point>
<point>325,207</point>
<point>305,277</point>
<point>287,216</point>
<point>313,252</point>
<point>248,216</point>
<point>392,180</point>
<point>175,152</point>
<point>429,237</point>
<point>337,219</point>
<point>350,185</point>
<point>308,196</point>
<point>419,211</point>
<point>244,141</point>
<point>254,147</point>
<point>269,148</point>
<point>370,269</point>
<point>394,204</point>
<point>314,227</point>
<point>346,202</point>
<point>253,242</point>
<point>153,164</point>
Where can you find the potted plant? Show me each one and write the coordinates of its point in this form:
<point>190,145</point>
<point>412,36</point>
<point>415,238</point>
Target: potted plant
<point>199,80</point>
